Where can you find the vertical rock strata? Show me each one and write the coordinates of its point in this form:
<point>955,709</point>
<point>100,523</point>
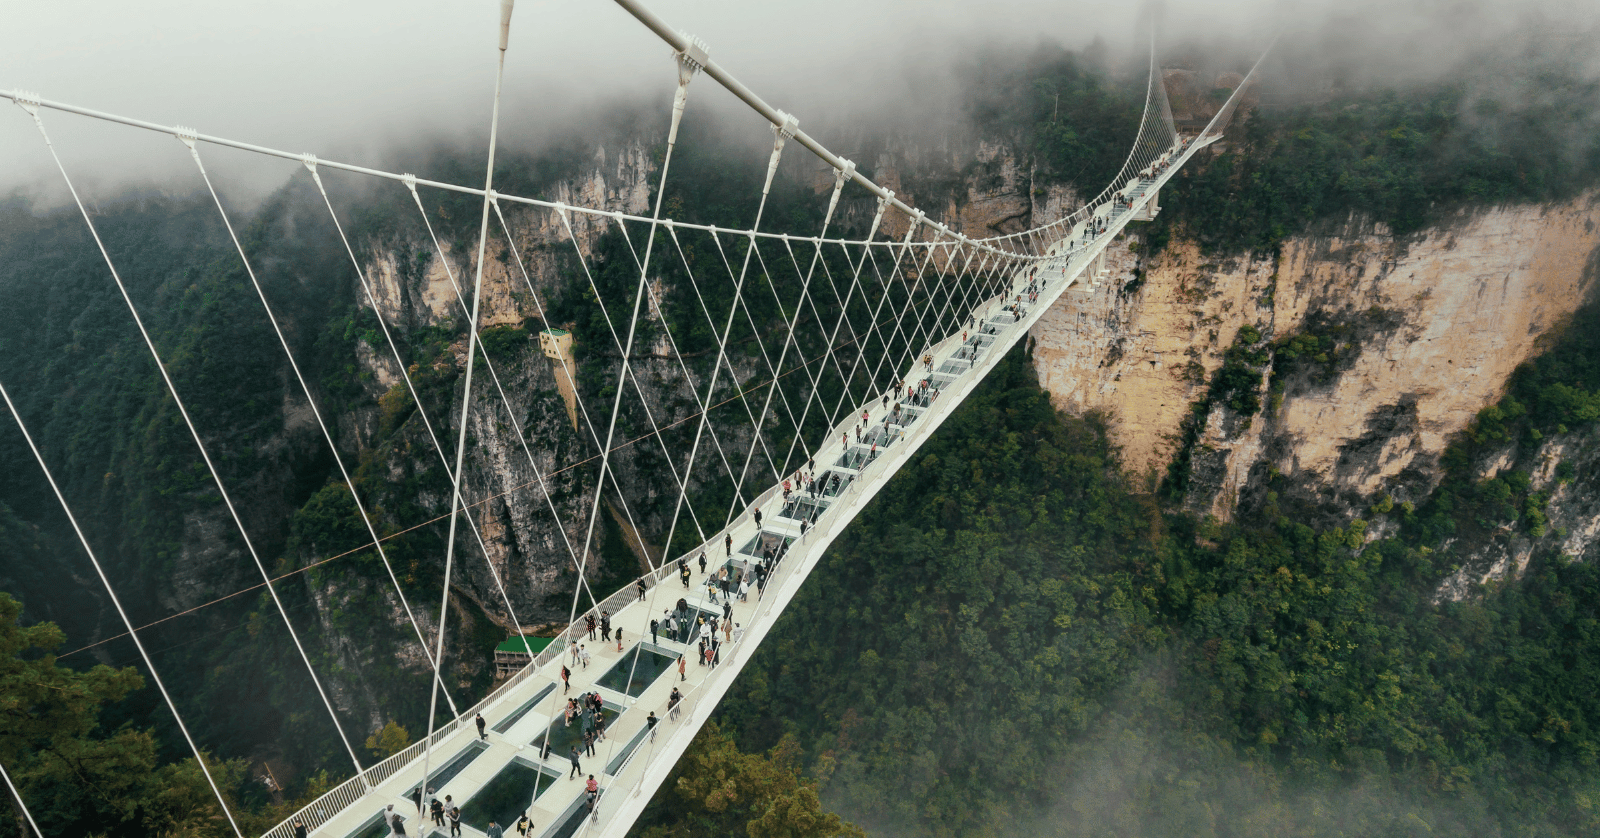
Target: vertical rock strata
<point>1430,327</point>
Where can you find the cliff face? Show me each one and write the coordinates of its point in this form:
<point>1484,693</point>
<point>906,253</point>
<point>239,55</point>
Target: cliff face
<point>1427,330</point>
<point>529,548</point>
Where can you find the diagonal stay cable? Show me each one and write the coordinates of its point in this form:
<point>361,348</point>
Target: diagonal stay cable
<point>437,518</point>
<point>688,63</point>
<point>338,459</point>
<point>16,795</point>
<point>466,387</point>
<point>741,391</point>
<point>116,602</point>
<point>755,338</point>
<point>494,375</point>
<point>577,397</point>
<point>183,410</point>
<point>843,320</point>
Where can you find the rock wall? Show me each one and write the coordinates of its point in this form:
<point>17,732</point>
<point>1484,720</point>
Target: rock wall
<point>529,551</point>
<point>1448,313</point>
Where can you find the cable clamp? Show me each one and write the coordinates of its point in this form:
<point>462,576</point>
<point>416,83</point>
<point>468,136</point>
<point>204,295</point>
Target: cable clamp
<point>309,160</point>
<point>694,58</point>
<point>187,136</point>
<point>27,101</point>
<point>789,124</point>
<point>844,172</point>
<point>493,196</point>
<point>410,180</point>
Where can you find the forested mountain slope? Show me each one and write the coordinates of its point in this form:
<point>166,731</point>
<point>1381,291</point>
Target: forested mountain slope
<point>1049,625</point>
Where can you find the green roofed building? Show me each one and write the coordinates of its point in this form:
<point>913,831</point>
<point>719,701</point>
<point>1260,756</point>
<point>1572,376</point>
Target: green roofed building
<point>514,653</point>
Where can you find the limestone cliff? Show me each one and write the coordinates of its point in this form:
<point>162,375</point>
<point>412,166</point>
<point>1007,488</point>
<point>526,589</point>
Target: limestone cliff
<point>1429,327</point>
<point>529,551</point>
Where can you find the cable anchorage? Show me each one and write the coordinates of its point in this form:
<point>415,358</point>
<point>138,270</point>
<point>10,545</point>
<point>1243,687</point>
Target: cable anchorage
<point>27,101</point>
<point>693,59</point>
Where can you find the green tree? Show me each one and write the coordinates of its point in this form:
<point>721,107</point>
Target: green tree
<point>76,777</point>
<point>718,789</point>
<point>392,739</point>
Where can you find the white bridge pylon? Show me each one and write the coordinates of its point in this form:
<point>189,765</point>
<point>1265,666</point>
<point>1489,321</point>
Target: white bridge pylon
<point>984,294</point>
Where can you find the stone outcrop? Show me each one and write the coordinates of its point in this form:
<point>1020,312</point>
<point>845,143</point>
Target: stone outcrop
<point>1430,327</point>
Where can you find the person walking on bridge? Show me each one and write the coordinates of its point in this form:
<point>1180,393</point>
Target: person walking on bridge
<point>576,767</point>
<point>481,725</point>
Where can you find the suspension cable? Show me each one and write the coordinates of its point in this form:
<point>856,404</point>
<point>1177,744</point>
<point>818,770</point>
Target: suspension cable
<point>183,410</point>
<point>116,602</point>
<point>689,60</point>
<point>39,833</point>
<point>466,390</point>
<point>361,508</point>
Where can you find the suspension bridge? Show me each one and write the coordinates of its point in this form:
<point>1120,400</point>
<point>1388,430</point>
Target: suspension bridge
<point>941,308</point>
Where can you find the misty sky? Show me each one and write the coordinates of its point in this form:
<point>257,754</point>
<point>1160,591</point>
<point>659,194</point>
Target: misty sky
<point>351,80</point>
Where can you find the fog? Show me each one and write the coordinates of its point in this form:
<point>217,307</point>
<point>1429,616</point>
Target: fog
<point>367,81</point>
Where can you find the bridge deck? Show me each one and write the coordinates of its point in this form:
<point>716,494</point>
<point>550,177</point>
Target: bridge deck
<point>496,777</point>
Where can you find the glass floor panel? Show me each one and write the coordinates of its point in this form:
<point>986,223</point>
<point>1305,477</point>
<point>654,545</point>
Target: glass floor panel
<point>504,799</point>
<point>807,508</point>
<point>686,620</point>
<point>572,819</point>
<point>375,827</point>
<point>833,483</point>
<point>563,737</point>
<point>505,724</point>
<point>878,434</point>
<point>448,771</point>
<point>637,670</point>
<point>773,541</point>
<point>857,458</point>
<point>622,756</point>
<point>907,416</point>
<point>955,366</point>
<point>737,569</point>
